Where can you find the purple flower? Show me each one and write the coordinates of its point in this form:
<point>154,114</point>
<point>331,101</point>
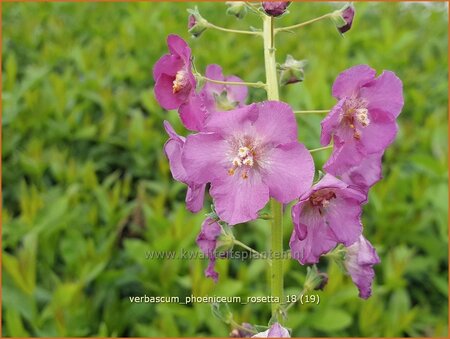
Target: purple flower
<point>207,241</point>
<point>212,98</point>
<point>174,81</point>
<point>328,214</point>
<point>275,8</point>
<point>248,155</point>
<point>174,149</point>
<point>347,15</point>
<point>360,258</point>
<point>363,122</point>
<point>275,331</point>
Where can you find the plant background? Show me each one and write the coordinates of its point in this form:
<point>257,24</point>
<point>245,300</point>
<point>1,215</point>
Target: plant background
<point>87,189</point>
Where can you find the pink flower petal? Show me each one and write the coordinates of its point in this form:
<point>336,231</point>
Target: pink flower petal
<point>365,174</point>
<point>331,123</point>
<point>344,217</point>
<point>193,113</point>
<point>179,47</point>
<point>173,149</point>
<point>360,258</point>
<point>238,200</point>
<point>232,122</point>
<point>278,331</point>
<point>194,197</point>
<point>236,93</point>
<point>204,157</point>
<point>276,123</point>
<point>344,156</point>
<point>384,93</point>
<point>378,136</point>
<point>164,93</point>
<point>275,331</point>
<point>207,241</point>
<point>319,238</point>
<point>288,171</point>
<point>347,83</point>
<point>167,64</point>
<point>214,72</point>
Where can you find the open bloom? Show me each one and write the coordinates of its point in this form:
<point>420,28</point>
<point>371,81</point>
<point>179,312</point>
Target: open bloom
<point>207,241</point>
<point>275,331</point>
<point>359,261</point>
<point>212,98</point>
<point>174,149</point>
<point>363,122</point>
<point>330,213</point>
<point>174,81</point>
<point>248,155</point>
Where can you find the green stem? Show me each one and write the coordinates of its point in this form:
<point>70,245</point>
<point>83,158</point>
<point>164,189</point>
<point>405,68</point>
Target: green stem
<point>248,248</point>
<point>289,28</point>
<point>320,149</point>
<point>298,296</point>
<point>276,274</point>
<point>253,9</point>
<point>258,84</point>
<point>317,111</point>
<point>223,29</point>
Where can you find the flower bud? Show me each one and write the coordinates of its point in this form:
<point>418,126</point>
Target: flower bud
<point>225,243</point>
<point>292,71</point>
<point>323,282</point>
<point>196,23</point>
<point>314,279</point>
<point>236,8</point>
<point>343,18</point>
<point>275,8</point>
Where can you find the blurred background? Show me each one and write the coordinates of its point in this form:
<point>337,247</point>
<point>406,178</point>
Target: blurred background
<point>87,189</point>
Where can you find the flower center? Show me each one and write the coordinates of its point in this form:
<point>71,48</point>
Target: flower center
<point>180,82</point>
<point>322,197</point>
<point>244,160</point>
<point>355,111</point>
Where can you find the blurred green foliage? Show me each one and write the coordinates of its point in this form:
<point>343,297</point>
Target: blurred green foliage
<point>87,189</point>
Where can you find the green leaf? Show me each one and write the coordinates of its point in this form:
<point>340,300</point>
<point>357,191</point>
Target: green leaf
<point>330,320</point>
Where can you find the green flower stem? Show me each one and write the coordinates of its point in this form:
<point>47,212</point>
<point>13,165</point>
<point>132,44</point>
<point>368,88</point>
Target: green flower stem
<point>296,300</point>
<point>258,84</point>
<point>320,149</point>
<point>289,28</point>
<point>210,25</point>
<point>276,274</point>
<point>248,248</point>
<point>317,111</point>
<point>254,8</point>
